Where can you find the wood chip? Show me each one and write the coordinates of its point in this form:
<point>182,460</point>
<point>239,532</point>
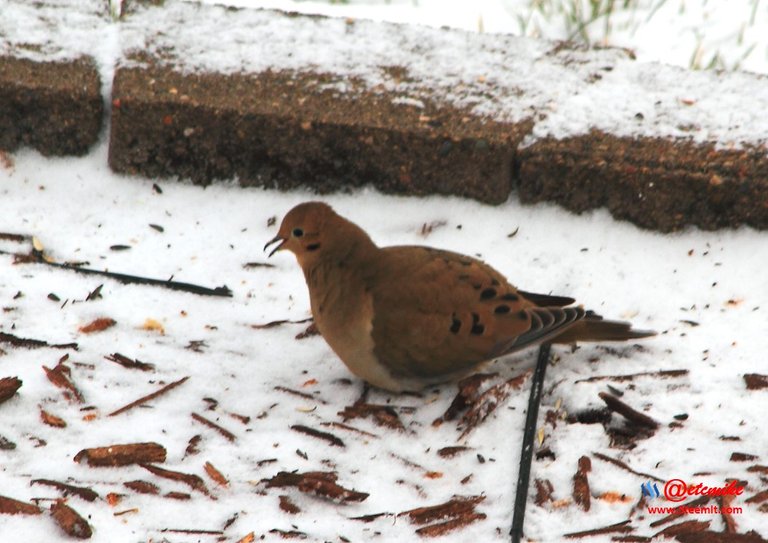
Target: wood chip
<point>287,505</point>
<point>52,420</point>
<point>581,493</point>
<point>383,415</point>
<point>743,457</point>
<point>616,405</point>
<point>142,487</point>
<point>61,376</point>
<point>457,506</point>
<point>149,397</point>
<point>619,527</point>
<point>698,502</point>
<point>247,538</point>
<point>189,479</point>
<point>174,495</point>
<point>442,528</point>
<point>756,381</point>
<point>29,343</point>
<point>97,325</point>
<point>663,374</point>
<point>300,394</point>
<point>726,502</point>
<point>720,537</point>
<point>70,521</point>
<point>760,497</point>
<point>8,387</point>
<point>325,436</point>
<point>215,474</point>
<point>83,492</point>
<point>9,506</point>
<point>309,331</point>
<point>686,527</point>
<point>349,428</point>
<point>130,363</point>
<point>316,483</point>
<point>272,324</point>
<point>487,402</point>
<point>122,455</point>
<point>193,446</point>
<point>544,491</point>
<point>223,431</point>
<point>469,390</point>
<point>625,467</point>
<point>288,534</point>
<point>450,452</point>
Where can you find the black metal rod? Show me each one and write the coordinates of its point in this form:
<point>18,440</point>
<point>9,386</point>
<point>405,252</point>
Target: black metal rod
<point>526,454</point>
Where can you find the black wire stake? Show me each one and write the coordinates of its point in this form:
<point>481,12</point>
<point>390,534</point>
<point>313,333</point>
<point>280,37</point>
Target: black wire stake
<point>526,454</point>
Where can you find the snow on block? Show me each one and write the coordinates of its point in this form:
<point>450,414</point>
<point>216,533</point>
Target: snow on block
<point>54,106</point>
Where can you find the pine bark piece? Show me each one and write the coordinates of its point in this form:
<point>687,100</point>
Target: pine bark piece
<point>720,537</point>
<point>629,377</point>
<point>726,502</point>
<point>581,493</point>
<point>325,436</point>
<point>457,506</point>
<point>632,415</point>
<point>450,452</point>
<point>83,492</point>
<point>287,505</point>
<point>61,376</point>
<point>215,474</point>
<point>442,528</point>
<point>10,506</point>
<point>686,527</point>
<point>210,424</point>
<point>130,363</point>
<point>8,387</point>
<point>756,381</point>
<point>30,343</point>
<point>619,527</point>
<point>760,497</point>
<point>316,483</point>
<point>142,487</point>
<point>189,479</point>
<point>485,404</point>
<point>70,521</point>
<point>743,457</point>
<point>383,415</point>
<point>97,325</point>
<point>52,420</point>
<point>149,397</point>
<point>123,455</point>
<point>544,491</point>
<point>469,390</point>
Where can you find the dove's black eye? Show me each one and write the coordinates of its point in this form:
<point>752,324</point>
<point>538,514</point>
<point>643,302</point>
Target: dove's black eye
<point>297,232</point>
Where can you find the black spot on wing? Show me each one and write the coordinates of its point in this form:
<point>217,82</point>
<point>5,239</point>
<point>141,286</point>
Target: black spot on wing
<point>488,293</point>
<point>455,324</point>
<point>477,328</point>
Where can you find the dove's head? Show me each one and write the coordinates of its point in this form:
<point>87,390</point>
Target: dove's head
<point>313,230</point>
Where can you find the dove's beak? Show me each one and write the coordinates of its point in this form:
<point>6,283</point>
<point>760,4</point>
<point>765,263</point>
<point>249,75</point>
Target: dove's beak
<point>272,242</point>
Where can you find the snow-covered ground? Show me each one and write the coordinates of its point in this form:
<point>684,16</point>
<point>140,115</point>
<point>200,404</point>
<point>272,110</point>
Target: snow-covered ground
<point>78,210</point>
<point>706,292</point>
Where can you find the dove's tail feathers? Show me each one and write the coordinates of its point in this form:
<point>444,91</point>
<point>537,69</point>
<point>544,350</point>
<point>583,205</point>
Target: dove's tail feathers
<point>594,328</point>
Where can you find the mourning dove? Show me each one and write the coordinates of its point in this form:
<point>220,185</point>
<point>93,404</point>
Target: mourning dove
<point>405,317</point>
